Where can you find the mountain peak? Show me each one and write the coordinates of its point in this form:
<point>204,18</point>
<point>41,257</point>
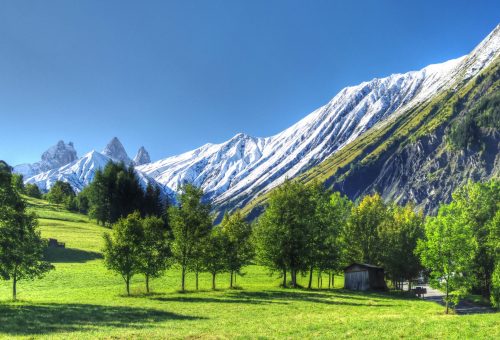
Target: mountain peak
<point>116,151</point>
<point>142,157</point>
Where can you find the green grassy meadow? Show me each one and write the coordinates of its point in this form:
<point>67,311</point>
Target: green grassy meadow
<point>81,299</point>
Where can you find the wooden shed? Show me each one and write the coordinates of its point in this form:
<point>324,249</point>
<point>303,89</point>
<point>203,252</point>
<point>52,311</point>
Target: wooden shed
<point>362,276</point>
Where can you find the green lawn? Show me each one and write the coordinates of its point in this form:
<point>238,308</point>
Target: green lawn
<point>81,299</point>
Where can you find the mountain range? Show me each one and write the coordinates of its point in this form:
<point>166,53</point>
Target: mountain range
<point>380,135</point>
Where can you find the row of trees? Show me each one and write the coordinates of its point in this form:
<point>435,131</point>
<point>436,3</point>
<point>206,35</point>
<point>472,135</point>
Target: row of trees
<point>21,246</point>
<point>148,246</point>
<point>304,229</point>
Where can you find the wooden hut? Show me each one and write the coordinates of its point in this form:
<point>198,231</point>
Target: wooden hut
<point>361,276</point>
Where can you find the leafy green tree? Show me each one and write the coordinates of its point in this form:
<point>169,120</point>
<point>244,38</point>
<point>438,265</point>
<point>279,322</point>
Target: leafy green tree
<point>61,192</point>
<point>479,204</point>
<point>155,248</point>
<point>21,246</point>
<point>399,237</point>
<point>494,245</point>
<point>191,224</point>
<point>100,198</point>
<point>326,226</point>
<point>123,251</point>
<point>362,233</point>
<point>282,233</point>
<point>215,253</point>
<point>82,200</point>
<point>32,190</point>
<point>152,205</point>
<point>448,251</point>
<point>239,251</point>
<point>18,183</point>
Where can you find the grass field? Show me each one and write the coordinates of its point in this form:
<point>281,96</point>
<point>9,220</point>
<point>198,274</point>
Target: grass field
<point>81,299</point>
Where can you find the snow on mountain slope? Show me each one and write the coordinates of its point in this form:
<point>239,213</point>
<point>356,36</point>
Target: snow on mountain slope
<point>245,166</point>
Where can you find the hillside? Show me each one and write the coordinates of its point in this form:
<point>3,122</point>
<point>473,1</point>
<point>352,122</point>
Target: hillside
<point>423,154</point>
<point>80,299</point>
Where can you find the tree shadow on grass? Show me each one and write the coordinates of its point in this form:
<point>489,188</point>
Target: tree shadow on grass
<point>21,319</point>
<point>314,297</point>
<point>196,299</point>
<point>70,255</point>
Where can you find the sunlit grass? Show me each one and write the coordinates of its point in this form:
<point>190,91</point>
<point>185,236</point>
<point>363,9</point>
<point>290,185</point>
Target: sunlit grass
<point>81,299</point>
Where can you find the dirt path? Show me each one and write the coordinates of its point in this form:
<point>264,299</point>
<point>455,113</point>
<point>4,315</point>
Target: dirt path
<point>463,307</point>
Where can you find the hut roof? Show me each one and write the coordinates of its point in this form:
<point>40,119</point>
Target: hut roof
<point>366,265</point>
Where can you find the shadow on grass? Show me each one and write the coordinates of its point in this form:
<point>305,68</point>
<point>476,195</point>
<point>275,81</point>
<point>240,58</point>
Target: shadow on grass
<point>24,319</point>
<point>324,298</point>
<point>70,255</point>
<point>223,300</point>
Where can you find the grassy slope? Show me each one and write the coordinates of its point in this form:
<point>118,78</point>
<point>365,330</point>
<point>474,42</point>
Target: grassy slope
<point>81,299</point>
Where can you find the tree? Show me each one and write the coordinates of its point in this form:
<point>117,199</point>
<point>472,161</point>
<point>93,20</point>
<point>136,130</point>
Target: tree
<point>282,232</point>
<point>191,224</point>
<point>155,248</point>
<point>215,253</point>
<point>32,190</point>
<point>362,234</point>
<point>494,245</point>
<point>448,251</point>
<point>152,205</point>
<point>21,246</point>
<point>123,248</point>
<point>326,226</point>
<point>239,251</point>
<point>399,237</point>
<point>18,183</point>
<point>479,204</point>
<point>61,192</point>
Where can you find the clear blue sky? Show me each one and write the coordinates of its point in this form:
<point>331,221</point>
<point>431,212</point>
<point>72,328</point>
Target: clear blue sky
<point>173,75</point>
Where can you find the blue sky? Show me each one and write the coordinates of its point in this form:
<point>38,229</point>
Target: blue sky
<point>173,75</point>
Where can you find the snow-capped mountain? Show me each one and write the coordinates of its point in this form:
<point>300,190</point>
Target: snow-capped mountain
<point>116,151</point>
<point>55,157</point>
<point>142,157</point>
<point>80,173</point>
<point>245,166</point>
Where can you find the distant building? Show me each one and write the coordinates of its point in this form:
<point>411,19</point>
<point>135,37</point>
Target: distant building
<point>360,276</point>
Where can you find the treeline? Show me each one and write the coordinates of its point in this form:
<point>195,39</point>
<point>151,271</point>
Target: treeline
<point>148,246</point>
<point>304,229</point>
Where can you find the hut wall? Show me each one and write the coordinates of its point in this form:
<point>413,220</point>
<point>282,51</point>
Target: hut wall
<point>357,280</point>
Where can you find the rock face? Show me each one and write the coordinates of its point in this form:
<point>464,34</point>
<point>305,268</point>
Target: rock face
<point>142,157</point>
<point>55,157</point>
<point>116,151</point>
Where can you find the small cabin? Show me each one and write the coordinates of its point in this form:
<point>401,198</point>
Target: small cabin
<point>361,276</point>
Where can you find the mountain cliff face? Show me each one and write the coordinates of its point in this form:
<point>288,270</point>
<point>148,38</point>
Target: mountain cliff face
<point>116,151</point>
<point>55,157</point>
<point>142,157</point>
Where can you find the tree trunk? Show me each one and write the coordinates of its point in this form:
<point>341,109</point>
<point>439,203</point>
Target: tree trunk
<point>329,280</point>
<point>183,278</point>
<point>447,306</point>
<point>213,281</point>
<point>127,283</point>
<point>309,285</point>
<point>284,278</point>
<point>294,278</point>
<point>231,281</point>
<point>147,283</point>
<point>196,274</point>
<point>14,287</point>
